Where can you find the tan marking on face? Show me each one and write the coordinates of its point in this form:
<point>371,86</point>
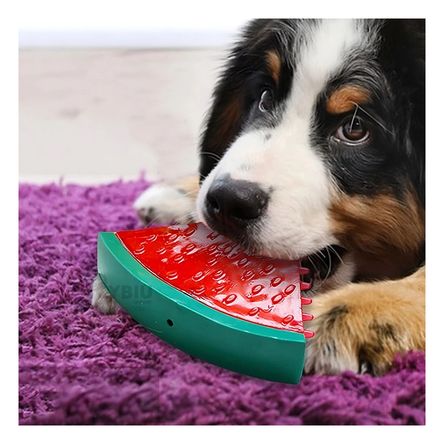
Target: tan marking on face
<point>345,99</point>
<point>384,234</point>
<point>274,65</point>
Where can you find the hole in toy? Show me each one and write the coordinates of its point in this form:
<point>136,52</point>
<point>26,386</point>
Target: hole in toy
<point>170,322</point>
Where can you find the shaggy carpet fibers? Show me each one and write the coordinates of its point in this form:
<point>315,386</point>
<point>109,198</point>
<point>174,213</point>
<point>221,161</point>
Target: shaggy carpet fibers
<point>80,367</point>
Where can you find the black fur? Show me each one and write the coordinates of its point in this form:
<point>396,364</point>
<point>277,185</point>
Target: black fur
<point>395,74</point>
<point>243,78</point>
<point>391,68</point>
<point>394,158</point>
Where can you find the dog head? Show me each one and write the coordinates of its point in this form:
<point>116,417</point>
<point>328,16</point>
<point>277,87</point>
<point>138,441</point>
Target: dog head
<point>314,145</point>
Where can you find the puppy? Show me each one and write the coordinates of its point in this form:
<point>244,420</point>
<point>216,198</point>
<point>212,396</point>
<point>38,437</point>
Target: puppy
<point>313,149</point>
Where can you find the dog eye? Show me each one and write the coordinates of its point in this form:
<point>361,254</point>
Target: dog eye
<point>354,131</point>
<point>266,101</point>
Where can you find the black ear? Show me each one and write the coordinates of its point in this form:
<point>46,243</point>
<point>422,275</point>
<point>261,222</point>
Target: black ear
<point>231,100</point>
<point>224,119</point>
<point>403,54</point>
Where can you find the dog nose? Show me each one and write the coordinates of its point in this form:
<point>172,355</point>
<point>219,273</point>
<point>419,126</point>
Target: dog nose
<point>231,203</point>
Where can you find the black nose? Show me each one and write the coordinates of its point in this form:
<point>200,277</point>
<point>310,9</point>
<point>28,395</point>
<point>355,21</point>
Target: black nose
<point>233,203</point>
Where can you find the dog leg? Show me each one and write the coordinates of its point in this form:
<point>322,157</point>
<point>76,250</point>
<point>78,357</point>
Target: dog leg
<point>162,203</point>
<point>361,327</point>
<point>168,202</point>
<point>101,299</point>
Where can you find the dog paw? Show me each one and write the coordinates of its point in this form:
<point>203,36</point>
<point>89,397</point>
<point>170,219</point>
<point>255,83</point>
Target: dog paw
<point>330,351</point>
<point>101,298</point>
<point>164,204</point>
<point>361,327</point>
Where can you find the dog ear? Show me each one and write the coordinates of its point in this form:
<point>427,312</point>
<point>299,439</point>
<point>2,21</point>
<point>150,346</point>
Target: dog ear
<point>223,122</point>
<point>225,117</point>
<point>403,45</point>
<point>231,98</point>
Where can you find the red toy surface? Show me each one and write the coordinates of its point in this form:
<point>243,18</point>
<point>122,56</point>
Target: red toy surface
<point>216,272</point>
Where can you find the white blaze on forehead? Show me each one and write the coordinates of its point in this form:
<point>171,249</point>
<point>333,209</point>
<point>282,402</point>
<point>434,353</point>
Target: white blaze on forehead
<point>296,221</point>
<point>322,55</point>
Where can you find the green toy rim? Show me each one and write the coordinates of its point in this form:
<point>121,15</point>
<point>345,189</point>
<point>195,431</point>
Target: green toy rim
<point>122,255</point>
<point>202,331</point>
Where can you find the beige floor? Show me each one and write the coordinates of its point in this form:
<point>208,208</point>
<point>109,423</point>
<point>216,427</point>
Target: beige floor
<point>102,114</point>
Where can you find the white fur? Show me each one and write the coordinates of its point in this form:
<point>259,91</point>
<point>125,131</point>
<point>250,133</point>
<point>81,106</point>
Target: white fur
<point>160,204</point>
<point>101,298</point>
<point>319,362</point>
<point>296,222</point>
<point>164,204</point>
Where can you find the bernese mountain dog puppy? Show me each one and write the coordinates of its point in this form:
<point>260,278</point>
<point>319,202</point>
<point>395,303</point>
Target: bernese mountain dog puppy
<point>314,148</point>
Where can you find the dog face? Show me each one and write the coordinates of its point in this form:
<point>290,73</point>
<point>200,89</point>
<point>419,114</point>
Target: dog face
<point>314,147</point>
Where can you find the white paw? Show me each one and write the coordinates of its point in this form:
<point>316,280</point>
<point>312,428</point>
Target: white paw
<point>101,299</point>
<point>164,204</point>
<point>325,356</point>
<point>331,350</point>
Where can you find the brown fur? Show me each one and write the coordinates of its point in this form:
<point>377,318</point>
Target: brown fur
<point>274,65</point>
<point>384,234</point>
<point>367,323</point>
<point>228,119</point>
<point>226,124</point>
<point>189,185</point>
<point>345,99</point>
<point>363,326</point>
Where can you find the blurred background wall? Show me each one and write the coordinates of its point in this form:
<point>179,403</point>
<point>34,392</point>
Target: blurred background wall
<point>101,103</point>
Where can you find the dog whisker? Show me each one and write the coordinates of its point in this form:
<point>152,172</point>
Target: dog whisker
<point>314,265</point>
<point>354,116</point>
<point>329,247</point>
<point>213,155</point>
<point>373,118</point>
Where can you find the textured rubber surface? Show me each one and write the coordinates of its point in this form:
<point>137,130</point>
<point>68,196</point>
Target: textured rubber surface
<point>217,272</point>
<point>195,328</point>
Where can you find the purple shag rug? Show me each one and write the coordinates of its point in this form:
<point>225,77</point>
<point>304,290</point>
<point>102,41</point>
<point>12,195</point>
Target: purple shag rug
<point>80,367</point>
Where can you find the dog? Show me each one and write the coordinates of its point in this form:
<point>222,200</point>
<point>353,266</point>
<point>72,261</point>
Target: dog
<point>314,149</point>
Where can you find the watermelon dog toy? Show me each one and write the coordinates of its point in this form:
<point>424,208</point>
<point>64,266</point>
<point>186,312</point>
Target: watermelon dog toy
<point>201,293</point>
